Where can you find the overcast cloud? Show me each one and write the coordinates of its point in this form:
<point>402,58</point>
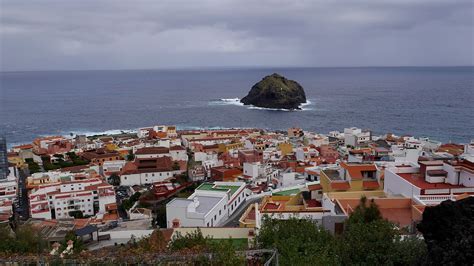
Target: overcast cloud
<point>41,35</point>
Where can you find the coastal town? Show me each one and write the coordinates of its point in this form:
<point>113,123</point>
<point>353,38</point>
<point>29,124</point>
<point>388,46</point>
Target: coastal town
<point>111,189</point>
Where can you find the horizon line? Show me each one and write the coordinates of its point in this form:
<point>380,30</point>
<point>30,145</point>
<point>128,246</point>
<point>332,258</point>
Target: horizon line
<point>234,67</point>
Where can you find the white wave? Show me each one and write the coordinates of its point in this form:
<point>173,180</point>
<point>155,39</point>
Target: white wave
<point>93,133</point>
<point>189,127</point>
<point>228,101</point>
<point>236,102</point>
<point>231,100</point>
<point>269,109</point>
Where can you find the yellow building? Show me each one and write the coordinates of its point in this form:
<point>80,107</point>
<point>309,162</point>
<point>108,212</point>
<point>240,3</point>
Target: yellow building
<point>295,132</point>
<point>351,177</point>
<point>111,147</point>
<point>230,146</point>
<point>285,148</point>
<point>15,159</point>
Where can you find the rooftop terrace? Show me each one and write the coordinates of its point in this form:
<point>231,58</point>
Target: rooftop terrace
<point>217,187</point>
<point>332,174</point>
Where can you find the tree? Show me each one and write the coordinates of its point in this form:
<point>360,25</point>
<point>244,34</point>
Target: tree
<point>76,214</point>
<point>128,203</point>
<point>448,230</point>
<point>370,239</point>
<point>176,166</point>
<point>25,239</point>
<point>78,245</point>
<point>191,241</point>
<point>33,167</point>
<point>154,243</point>
<point>114,179</point>
<point>222,251</point>
<point>130,156</point>
<point>298,241</point>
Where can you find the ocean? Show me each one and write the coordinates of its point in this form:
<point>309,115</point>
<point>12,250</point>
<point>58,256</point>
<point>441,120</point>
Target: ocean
<point>436,102</point>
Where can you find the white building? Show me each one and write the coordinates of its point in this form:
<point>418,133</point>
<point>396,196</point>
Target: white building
<point>317,140</point>
<point>113,166</point>
<point>304,154</point>
<point>468,154</point>
<point>152,152</point>
<point>90,196</point>
<point>144,132</point>
<point>430,178</point>
<point>402,154</point>
<point>356,137</point>
<point>8,194</point>
<point>147,171</point>
<point>178,153</point>
<point>205,156</point>
<point>209,206</point>
<point>253,170</point>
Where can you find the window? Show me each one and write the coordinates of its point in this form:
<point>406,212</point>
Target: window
<point>220,211</point>
<point>215,217</point>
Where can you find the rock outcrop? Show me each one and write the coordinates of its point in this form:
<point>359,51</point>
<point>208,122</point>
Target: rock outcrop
<point>275,91</point>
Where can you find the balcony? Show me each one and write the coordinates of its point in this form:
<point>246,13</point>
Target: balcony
<point>428,200</point>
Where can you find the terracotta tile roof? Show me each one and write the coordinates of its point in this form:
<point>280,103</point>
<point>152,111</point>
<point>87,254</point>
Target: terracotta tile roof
<point>340,185</point>
<point>24,147</point>
<point>152,150</point>
<point>80,223</point>
<point>420,182</point>
<point>110,217</point>
<point>355,170</point>
<point>454,149</point>
<point>314,187</point>
<point>311,203</point>
<point>177,148</point>
<point>370,184</point>
<point>111,206</point>
<point>163,164</point>
<point>310,172</point>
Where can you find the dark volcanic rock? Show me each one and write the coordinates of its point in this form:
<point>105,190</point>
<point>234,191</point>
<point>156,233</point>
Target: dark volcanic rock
<point>275,91</point>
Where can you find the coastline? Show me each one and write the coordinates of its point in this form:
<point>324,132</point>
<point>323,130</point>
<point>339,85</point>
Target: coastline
<point>114,132</point>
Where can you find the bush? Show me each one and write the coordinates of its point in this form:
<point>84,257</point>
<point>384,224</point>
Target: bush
<point>25,239</point>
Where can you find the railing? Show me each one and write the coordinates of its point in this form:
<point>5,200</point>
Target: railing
<point>432,199</point>
<point>462,190</point>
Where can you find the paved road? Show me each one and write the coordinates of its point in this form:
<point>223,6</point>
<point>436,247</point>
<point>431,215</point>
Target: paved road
<point>233,220</point>
<point>22,205</point>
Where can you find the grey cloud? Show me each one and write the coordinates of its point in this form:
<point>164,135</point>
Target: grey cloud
<point>159,34</point>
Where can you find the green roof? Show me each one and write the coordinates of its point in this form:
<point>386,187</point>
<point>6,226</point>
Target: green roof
<point>287,192</point>
<point>212,187</point>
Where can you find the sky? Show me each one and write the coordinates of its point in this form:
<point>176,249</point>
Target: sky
<point>68,35</point>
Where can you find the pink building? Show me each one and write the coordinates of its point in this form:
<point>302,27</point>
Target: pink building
<point>51,145</point>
